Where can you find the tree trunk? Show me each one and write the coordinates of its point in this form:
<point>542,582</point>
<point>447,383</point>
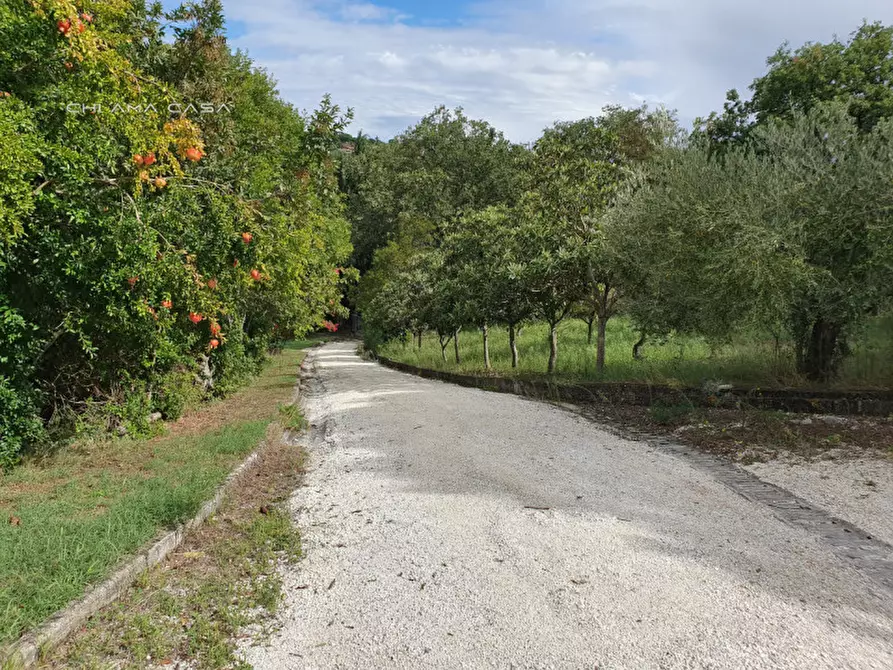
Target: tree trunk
<point>443,346</point>
<point>603,317</point>
<point>819,361</point>
<point>486,334</point>
<point>456,346</point>
<point>419,336</point>
<point>600,346</point>
<point>637,354</point>
<point>553,347</point>
<point>513,345</point>
<point>590,321</point>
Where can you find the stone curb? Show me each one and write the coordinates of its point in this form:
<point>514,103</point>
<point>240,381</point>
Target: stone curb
<point>49,635</point>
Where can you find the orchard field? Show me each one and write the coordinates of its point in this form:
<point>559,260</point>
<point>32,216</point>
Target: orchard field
<point>166,218</point>
<point>685,360</point>
<point>754,248</point>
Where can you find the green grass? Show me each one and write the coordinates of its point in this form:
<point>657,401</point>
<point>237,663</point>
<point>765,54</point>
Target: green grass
<point>197,611</point>
<point>677,360</point>
<point>66,521</point>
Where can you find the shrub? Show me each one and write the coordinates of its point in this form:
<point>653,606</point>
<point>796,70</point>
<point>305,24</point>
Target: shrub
<point>134,246</point>
<point>20,425</point>
<point>175,392</point>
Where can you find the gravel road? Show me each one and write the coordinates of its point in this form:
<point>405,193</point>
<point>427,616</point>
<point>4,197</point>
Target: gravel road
<point>447,527</point>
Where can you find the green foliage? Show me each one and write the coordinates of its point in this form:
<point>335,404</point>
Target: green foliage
<point>117,272</point>
<point>856,73</point>
<point>19,424</point>
<point>19,165</point>
<point>176,392</point>
<point>445,166</point>
<point>788,230</point>
<point>406,198</point>
<point>791,231</point>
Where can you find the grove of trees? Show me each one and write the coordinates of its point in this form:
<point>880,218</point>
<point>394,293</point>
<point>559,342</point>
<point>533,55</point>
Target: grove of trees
<point>164,215</point>
<point>774,216</point>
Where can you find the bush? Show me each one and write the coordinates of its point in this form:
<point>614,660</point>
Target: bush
<point>175,392</point>
<point>134,246</point>
<point>20,425</point>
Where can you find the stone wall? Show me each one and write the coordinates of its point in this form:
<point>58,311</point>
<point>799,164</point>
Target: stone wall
<point>868,403</point>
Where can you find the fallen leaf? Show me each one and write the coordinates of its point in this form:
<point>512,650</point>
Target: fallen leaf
<point>14,520</point>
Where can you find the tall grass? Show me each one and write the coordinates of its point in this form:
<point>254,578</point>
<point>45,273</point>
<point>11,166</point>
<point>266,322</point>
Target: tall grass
<point>675,360</point>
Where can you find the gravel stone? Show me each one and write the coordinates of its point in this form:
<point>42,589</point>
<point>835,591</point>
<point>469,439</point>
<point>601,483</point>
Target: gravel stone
<point>447,527</point>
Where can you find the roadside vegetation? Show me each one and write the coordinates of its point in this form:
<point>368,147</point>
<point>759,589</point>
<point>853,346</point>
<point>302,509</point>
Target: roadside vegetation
<point>759,245</point>
<point>165,217</point>
<point>71,517</point>
<point>221,587</point>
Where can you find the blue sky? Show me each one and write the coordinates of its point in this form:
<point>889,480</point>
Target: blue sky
<point>524,64</point>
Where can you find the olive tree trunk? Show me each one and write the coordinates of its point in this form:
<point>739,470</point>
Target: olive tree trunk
<point>513,345</point>
<point>486,334</point>
<point>637,347</point>
<point>590,322</point>
<point>553,347</point>
<point>821,352</point>
<point>444,341</point>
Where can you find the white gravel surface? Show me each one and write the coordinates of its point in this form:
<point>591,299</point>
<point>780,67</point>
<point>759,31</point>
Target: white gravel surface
<point>423,549</point>
<point>860,491</point>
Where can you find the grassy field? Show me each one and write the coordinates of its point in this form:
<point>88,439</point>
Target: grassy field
<point>69,519</point>
<point>676,360</point>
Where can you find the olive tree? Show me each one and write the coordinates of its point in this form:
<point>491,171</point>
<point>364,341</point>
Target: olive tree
<point>791,230</point>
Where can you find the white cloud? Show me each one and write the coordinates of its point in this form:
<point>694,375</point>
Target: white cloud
<point>523,64</point>
<point>366,11</point>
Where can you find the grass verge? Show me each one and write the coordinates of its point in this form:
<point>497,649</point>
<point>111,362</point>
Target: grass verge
<point>221,586</point>
<point>67,520</point>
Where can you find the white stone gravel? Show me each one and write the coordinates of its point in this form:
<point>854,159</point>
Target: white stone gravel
<point>423,550</point>
<point>859,491</point>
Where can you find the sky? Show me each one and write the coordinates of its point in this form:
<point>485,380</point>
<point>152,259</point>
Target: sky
<point>524,64</point>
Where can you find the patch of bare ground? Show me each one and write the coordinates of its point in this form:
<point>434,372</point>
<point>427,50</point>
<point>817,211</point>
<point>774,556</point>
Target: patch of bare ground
<point>747,435</point>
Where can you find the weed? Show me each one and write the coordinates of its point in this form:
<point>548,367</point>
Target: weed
<point>222,585</point>
<point>665,412</point>
<point>291,417</point>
